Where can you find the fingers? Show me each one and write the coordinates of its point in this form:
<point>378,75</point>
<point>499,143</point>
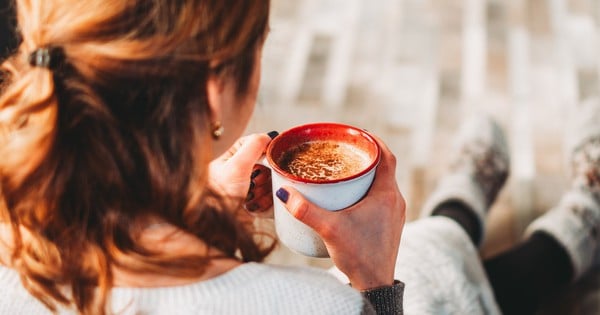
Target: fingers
<point>385,175</point>
<point>387,163</point>
<point>321,220</point>
<point>261,206</point>
<point>302,209</point>
<point>259,198</point>
<point>249,149</point>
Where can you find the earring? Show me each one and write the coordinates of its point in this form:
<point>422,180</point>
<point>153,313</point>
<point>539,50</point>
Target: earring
<point>217,130</point>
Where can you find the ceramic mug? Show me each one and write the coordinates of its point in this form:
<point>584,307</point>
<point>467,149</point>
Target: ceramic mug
<point>328,193</point>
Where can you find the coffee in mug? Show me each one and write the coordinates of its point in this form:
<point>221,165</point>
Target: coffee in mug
<point>324,160</point>
<point>332,165</point>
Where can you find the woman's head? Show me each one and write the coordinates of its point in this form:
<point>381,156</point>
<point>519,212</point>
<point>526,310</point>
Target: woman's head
<point>120,130</point>
<point>137,54</point>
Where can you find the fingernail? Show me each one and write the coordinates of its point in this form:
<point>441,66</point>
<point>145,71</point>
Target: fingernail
<point>282,194</point>
<point>249,196</point>
<point>255,173</point>
<point>252,185</point>
<point>273,134</point>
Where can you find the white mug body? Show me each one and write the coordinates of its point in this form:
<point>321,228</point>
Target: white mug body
<point>298,236</point>
<point>332,194</point>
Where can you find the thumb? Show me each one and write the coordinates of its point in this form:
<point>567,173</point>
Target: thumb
<point>302,209</point>
<point>250,149</point>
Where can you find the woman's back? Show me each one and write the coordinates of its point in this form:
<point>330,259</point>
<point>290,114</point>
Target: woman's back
<point>248,289</point>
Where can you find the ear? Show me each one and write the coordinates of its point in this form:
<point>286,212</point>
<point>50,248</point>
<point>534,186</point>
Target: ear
<point>215,88</point>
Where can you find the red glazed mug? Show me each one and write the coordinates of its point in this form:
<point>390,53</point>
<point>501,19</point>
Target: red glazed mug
<point>331,164</point>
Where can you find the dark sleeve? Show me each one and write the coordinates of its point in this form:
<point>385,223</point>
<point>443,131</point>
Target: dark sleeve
<point>8,34</point>
<point>384,300</point>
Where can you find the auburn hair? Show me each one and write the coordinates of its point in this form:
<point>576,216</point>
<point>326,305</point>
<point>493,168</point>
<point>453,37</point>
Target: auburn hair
<point>118,132</point>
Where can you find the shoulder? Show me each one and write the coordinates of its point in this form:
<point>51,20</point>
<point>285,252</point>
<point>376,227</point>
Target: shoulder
<point>14,298</point>
<point>304,288</point>
<point>301,274</point>
<point>296,278</point>
<point>254,288</point>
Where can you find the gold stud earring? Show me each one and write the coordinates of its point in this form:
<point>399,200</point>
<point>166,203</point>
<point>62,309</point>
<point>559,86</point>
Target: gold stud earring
<point>217,130</point>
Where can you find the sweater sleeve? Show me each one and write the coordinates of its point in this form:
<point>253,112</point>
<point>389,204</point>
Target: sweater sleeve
<point>384,300</point>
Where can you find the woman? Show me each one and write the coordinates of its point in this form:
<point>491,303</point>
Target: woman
<point>112,200</point>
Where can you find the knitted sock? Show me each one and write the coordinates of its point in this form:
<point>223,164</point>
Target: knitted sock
<point>563,243</point>
<point>478,169</point>
<point>465,217</point>
<point>529,274</point>
<point>575,222</point>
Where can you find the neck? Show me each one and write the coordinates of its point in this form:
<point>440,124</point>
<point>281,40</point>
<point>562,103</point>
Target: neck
<point>167,239</point>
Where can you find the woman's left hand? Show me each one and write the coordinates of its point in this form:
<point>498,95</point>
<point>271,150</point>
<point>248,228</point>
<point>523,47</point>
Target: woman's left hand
<point>363,239</point>
<point>230,173</point>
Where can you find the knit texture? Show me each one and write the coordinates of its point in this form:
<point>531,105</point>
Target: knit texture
<point>386,300</point>
<point>575,221</point>
<point>574,224</point>
<point>442,271</point>
<point>477,171</point>
<point>249,289</point>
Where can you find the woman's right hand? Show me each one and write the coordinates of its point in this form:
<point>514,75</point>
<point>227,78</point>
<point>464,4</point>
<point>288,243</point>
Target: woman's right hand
<point>363,239</point>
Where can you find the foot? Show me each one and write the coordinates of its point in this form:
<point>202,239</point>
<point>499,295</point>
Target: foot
<point>575,222</point>
<point>586,177</point>
<point>483,155</point>
<point>583,145</point>
<point>585,166</point>
<point>478,170</point>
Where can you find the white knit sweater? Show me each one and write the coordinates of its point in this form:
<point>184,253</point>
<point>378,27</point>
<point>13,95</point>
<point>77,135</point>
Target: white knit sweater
<point>442,271</point>
<point>437,261</point>
<point>249,289</point>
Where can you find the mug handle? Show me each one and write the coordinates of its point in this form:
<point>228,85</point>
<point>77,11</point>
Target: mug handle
<point>264,162</point>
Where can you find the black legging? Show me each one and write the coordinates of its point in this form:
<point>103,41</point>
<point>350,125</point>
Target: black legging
<point>524,276</point>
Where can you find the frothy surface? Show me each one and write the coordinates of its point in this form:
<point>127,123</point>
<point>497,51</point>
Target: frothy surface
<point>324,160</point>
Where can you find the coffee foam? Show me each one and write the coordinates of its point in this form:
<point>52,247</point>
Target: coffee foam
<point>324,160</point>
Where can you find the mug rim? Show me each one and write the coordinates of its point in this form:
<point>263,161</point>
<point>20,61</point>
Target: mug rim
<point>364,133</point>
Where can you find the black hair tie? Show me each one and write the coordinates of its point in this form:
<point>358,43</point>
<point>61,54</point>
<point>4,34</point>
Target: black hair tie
<point>47,57</point>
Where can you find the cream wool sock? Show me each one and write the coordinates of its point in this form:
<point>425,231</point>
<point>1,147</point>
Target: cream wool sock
<point>575,222</point>
<point>478,169</point>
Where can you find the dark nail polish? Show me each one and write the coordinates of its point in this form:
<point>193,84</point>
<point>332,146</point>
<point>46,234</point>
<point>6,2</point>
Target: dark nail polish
<point>252,185</point>
<point>273,134</point>
<point>255,173</point>
<point>252,207</point>
<point>249,196</point>
<point>282,194</point>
